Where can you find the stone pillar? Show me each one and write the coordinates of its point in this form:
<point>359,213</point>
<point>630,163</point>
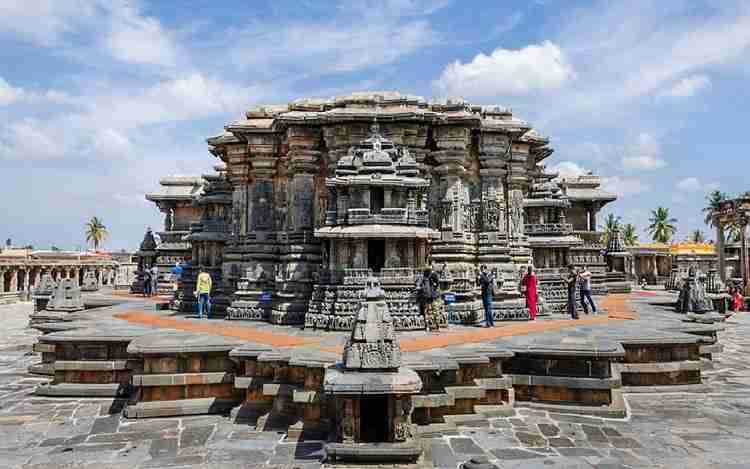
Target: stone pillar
<point>360,254</point>
<point>13,280</point>
<point>387,203</point>
<point>2,280</point>
<point>720,248</point>
<point>743,258</point>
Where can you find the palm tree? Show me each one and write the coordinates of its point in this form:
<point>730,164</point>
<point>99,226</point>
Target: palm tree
<point>713,202</point>
<point>697,236</point>
<point>662,227</point>
<point>630,235</point>
<point>96,232</point>
<point>611,224</point>
<point>735,233</point>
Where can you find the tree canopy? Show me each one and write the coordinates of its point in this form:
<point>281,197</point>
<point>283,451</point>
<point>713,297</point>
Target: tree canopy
<point>96,232</point>
<point>662,227</point>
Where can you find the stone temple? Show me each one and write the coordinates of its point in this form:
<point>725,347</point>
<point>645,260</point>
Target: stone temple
<point>312,198</point>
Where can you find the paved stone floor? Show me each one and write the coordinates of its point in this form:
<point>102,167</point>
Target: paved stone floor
<point>684,430</point>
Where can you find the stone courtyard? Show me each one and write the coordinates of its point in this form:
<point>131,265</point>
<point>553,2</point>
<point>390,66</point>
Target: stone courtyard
<point>693,426</point>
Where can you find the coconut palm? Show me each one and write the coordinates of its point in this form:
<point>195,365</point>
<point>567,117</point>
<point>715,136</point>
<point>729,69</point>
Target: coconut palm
<point>630,235</point>
<point>611,224</point>
<point>713,203</point>
<point>662,227</point>
<point>96,232</point>
<point>697,236</point>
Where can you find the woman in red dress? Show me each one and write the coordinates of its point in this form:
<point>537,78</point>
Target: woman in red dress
<point>738,301</point>
<point>529,283</point>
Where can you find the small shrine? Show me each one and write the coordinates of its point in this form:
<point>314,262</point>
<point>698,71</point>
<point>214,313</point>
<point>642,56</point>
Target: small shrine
<point>43,292</point>
<point>372,391</point>
<point>146,256</point>
<point>66,297</point>
<point>90,282</point>
<point>376,224</point>
<point>619,263</point>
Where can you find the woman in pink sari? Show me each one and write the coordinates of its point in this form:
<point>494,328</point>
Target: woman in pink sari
<point>529,284</point>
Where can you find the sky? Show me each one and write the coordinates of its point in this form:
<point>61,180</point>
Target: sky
<point>101,98</point>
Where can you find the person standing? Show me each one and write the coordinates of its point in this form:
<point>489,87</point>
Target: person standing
<point>427,288</point>
<point>203,294</point>
<point>147,282</point>
<point>572,280</point>
<point>154,279</point>
<point>176,275</point>
<point>585,285</point>
<point>530,291</point>
<point>487,283</point>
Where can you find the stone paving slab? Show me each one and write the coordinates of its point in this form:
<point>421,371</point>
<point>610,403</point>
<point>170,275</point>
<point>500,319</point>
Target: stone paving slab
<point>664,430</point>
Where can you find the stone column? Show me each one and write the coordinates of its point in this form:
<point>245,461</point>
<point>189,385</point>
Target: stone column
<point>743,258</point>
<point>13,280</point>
<point>2,280</point>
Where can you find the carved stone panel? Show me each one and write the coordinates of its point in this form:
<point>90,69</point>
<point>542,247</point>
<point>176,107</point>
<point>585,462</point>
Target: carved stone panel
<point>261,208</point>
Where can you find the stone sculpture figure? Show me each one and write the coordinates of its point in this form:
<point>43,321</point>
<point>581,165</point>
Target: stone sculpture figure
<point>516,213</point>
<point>693,295</point>
<point>67,297</point>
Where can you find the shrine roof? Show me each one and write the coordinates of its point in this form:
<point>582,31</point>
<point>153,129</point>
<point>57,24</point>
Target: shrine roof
<point>567,240</point>
<point>692,248</point>
<point>576,193</point>
<point>177,188</point>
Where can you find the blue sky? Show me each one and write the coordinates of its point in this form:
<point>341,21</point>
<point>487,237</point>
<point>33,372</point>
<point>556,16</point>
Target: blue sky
<point>98,99</point>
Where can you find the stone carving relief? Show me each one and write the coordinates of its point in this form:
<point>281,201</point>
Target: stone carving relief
<point>515,215</point>
<point>261,208</point>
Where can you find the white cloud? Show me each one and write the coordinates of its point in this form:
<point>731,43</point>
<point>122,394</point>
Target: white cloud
<point>8,93</point>
<point>623,186</point>
<point>44,22</point>
<point>693,184</point>
<point>643,155</point>
<point>688,86</point>
<point>134,38</point>
<point>567,169</point>
<point>534,68</point>
<point>30,140</point>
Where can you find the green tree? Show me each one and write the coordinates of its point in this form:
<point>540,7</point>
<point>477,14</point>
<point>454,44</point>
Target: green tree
<point>630,235</point>
<point>662,227</point>
<point>735,233</point>
<point>96,232</point>
<point>611,224</point>
<point>713,203</point>
<point>697,236</point>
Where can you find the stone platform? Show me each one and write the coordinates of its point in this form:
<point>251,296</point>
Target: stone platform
<point>664,429</point>
<point>272,376</point>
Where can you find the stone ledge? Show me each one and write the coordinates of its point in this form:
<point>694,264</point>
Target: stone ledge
<point>459,420</point>
<point>493,384</point>
<point>663,367</point>
<point>91,365</point>
<point>436,430</point>
<point>465,392</point>
<point>249,382</point>
<point>567,382</point>
<point>169,342</point>
<point>374,452</point>
<point>493,410</point>
<point>616,409</point>
<point>688,388</point>
<point>279,389</point>
<point>420,401</point>
<point>210,405</point>
<point>43,348</point>
<point>711,349</point>
<point>82,390</point>
<point>306,397</point>
<point>183,379</point>
<point>47,369</point>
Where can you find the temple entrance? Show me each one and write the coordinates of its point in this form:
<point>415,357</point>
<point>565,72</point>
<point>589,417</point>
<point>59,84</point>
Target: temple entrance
<point>373,420</point>
<point>376,254</point>
<point>377,200</point>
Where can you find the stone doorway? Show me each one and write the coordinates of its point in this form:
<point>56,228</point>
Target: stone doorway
<point>376,254</point>
<point>373,423</point>
<point>377,200</point>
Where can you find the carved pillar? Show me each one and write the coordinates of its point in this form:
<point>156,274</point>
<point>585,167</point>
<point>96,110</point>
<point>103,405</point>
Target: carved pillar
<point>720,248</point>
<point>13,280</point>
<point>2,280</point>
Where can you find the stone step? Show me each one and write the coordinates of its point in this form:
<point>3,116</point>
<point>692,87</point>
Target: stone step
<point>91,365</point>
<point>465,419</point>
<point>201,406</point>
<point>43,348</point>
<point>249,382</point>
<point>436,430</point>
<point>689,388</point>
<point>567,382</point>
<point>711,349</point>
<point>465,392</point>
<point>279,389</point>
<point>661,367</point>
<point>493,384</point>
<point>82,390</point>
<point>616,409</point>
<point>47,369</point>
<point>183,379</point>
<point>421,401</point>
<point>497,410</point>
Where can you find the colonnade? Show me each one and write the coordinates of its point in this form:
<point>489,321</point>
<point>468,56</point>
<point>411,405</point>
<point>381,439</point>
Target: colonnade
<point>17,278</point>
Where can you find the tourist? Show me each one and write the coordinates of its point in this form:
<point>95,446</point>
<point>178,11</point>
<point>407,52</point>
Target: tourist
<point>738,301</point>
<point>176,275</point>
<point>584,280</point>
<point>572,280</point>
<point>427,291</point>
<point>203,294</point>
<point>486,281</point>
<point>147,282</point>
<point>154,279</point>
<point>530,291</point>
